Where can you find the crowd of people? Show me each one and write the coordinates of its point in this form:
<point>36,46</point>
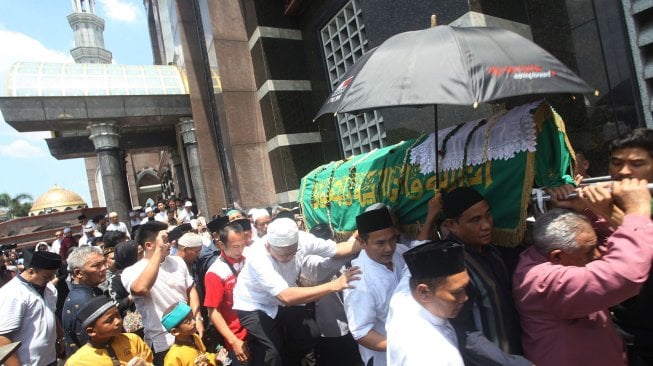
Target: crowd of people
<point>255,288</point>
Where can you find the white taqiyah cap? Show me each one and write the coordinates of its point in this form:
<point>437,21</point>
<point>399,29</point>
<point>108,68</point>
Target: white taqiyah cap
<point>190,240</point>
<point>188,204</point>
<point>261,212</point>
<point>283,233</point>
<point>148,209</point>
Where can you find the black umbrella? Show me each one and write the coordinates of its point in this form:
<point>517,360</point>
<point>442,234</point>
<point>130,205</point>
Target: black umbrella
<point>450,65</point>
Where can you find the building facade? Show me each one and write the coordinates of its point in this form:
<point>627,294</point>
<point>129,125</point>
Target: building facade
<point>255,72</point>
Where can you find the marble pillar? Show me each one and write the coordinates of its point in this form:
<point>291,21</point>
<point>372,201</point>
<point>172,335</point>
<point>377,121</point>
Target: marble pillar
<point>106,139</point>
<point>178,169</point>
<point>187,131</point>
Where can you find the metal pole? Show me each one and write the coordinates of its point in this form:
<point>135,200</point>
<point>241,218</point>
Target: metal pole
<point>572,195</point>
<point>435,144</point>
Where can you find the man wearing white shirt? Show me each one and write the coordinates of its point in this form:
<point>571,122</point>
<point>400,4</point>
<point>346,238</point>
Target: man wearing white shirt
<point>27,303</point>
<point>419,332</point>
<point>116,225</point>
<point>162,215</point>
<point>367,304</point>
<point>156,282</point>
<point>56,244</point>
<point>186,214</point>
<point>267,284</point>
<point>261,219</point>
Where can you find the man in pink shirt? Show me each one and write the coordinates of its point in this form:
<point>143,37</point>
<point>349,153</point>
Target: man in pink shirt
<point>564,284</point>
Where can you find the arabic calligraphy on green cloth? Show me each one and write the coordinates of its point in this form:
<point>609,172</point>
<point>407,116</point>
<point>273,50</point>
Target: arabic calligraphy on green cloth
<point>337,192</point>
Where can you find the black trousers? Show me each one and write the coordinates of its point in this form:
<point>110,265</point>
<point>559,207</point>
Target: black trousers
<point>159,357</point>
<point>287,340</point>
<point>264,338</point>
<point>343,350</point>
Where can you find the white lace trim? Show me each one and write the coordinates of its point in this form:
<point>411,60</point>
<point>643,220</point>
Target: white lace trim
<point>509,134</point>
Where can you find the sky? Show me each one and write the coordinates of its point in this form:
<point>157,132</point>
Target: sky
<point>37,30</point>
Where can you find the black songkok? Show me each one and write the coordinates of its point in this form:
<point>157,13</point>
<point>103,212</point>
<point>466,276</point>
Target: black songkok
<point>244,223</point>
<point>434,259</point>
<point>94,309</point>
<point>216,225</point>
<point>45,260</point>
<point>373,220</point>
<point>458,200</point>
<point>178,232</point>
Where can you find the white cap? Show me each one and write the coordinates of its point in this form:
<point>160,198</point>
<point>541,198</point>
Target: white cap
<point>190,240</point>
<point>66,230</point>
<point>261,212</point>
<point>193,224</point>
<point>188,204</point>
<point>283,232</point>
<point>148,209</point>
<point>113,214</point>
<point>251,211</point>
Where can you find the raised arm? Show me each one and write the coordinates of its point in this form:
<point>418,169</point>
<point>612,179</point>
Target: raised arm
<point>145,281</point>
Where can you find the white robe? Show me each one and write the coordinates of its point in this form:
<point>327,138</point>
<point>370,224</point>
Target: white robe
<point>367,304</point>
<point>417,337</point>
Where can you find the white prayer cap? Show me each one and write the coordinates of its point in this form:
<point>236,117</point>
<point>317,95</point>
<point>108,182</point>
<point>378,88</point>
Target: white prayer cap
<point>190,240</point>
<point>261,212</point>
<point>148,209</point>
<point>188,204</point>
<point>283,233</point>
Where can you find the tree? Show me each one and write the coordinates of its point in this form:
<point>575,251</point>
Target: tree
<point>17,206</point>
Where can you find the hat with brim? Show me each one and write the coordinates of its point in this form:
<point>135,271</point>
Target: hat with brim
<point>283,233</point>
<point>45,260</point>
<point>93,309</point>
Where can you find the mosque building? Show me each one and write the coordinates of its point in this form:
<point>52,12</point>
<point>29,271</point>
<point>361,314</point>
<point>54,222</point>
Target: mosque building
<point>225,114</point>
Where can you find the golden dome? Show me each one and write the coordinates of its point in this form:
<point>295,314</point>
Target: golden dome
<point>57,199</point>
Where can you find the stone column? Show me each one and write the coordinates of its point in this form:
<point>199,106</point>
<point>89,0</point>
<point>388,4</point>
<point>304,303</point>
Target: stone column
<point>106,139</point>
<point>187,131</point>
<point>178,168</point>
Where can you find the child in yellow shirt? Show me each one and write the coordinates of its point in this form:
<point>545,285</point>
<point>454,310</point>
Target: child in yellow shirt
<point>188,350</point>
<point>107,346</point>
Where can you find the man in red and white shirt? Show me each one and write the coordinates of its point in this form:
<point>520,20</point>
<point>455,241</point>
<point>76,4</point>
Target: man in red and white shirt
<point>220,280</point>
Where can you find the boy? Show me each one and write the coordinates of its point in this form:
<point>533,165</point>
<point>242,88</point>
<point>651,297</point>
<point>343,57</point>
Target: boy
<point>107,345</point>
<point>188,349</point>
